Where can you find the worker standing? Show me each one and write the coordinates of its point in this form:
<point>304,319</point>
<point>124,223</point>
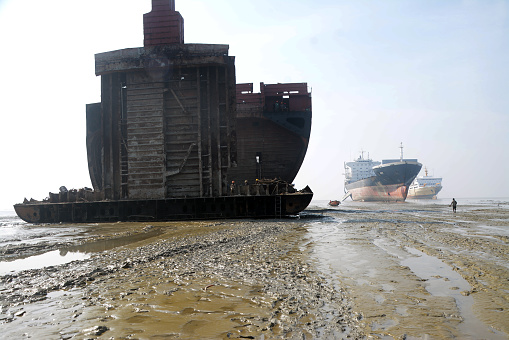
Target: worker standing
<point>453,204</point>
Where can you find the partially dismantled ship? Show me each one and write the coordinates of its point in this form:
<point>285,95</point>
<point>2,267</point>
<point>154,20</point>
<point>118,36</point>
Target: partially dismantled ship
<point>174,137</point>
<point>273,128</point>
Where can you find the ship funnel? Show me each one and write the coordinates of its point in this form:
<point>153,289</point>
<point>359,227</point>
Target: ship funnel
<point>163,25</point>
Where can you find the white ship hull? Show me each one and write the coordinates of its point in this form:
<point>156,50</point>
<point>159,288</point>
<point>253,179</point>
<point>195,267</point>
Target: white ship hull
<point>424,192</point>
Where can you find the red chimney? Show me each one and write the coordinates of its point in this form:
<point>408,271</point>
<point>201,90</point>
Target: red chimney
<point>163,25</point>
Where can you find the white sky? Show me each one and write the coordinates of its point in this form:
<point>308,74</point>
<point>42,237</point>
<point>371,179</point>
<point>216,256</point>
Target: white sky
<point>432,74</point>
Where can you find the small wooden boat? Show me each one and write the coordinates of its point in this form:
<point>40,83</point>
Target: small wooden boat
<point>334,203</point>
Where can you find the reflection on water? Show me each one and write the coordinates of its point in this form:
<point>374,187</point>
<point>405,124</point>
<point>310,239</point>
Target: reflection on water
<point>52,258</point>
<point>103,245</point>
<point>73,253</point>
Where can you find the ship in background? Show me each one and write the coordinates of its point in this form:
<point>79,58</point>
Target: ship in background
<point>367,180</point>
<point>425,187</point>
<point>164,138</point>
<point>273,128</point>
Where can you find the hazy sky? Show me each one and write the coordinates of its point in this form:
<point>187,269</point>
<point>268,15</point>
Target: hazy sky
<point>431,74</point>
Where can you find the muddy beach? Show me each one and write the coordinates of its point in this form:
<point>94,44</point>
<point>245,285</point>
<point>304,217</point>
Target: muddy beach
<point>407,271</point>
<point>419,271</point>
<point>199,280</point>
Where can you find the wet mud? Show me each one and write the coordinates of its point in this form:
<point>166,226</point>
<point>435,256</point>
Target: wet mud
<point>244,279</point>
<point>361,271</point>
<point>420,271</point>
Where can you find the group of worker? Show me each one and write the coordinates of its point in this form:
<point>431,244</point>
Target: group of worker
<point>246,183</point>
<point>280,106</point>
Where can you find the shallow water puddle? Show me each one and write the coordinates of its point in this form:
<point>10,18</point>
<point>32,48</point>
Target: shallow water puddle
<point>441,280</point>
<point>74,253</point>
<point>52,258</point>
<point>108,244</point>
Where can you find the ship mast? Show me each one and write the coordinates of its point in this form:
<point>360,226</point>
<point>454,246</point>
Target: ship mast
<point>401,155</point>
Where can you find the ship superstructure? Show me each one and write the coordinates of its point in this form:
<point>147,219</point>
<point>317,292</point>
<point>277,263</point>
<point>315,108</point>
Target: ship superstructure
<point>425,187</point>
<point>359,169</point>
<point>389,180</point>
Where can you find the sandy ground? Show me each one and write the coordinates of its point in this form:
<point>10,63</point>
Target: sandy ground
<point>356,272</point>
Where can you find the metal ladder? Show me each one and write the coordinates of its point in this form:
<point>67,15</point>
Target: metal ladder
<point>278,212</point>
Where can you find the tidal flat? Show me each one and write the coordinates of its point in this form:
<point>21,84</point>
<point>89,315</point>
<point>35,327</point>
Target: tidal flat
<point>359,271</point>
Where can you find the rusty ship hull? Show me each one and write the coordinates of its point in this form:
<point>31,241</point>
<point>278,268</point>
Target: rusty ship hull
<point>273,130</point>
